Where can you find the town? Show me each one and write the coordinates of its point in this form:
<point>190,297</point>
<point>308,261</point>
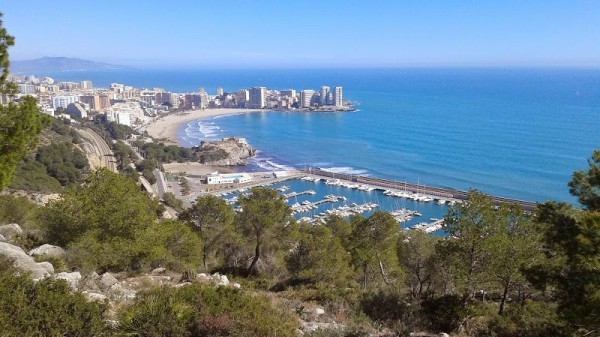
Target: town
<point>131,106</point>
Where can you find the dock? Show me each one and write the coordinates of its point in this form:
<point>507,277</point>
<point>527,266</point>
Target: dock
<point>438,192</point>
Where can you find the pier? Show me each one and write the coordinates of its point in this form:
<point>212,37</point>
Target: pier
<point>439,192</point>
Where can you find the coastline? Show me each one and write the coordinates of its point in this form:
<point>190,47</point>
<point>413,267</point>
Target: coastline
<point>165,128</point>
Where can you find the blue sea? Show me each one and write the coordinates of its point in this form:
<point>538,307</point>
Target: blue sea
<point>514,132</point>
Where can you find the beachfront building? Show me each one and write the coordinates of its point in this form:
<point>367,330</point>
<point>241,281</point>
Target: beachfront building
<point>242,97</point>
<point>307,97</point>
<point>219,91</point>
<point>324,94</point>
<point>230,178</point>
<point>337,97</point>
<point>258,97</point>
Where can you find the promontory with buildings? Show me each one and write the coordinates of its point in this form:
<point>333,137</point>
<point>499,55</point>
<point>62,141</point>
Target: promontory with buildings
<point>131,106</point>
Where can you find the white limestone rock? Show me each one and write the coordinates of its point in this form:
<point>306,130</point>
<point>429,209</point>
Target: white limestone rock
<point>72,278</point>
<point>107,281</point>
<point>237,285</point>
<point>47,250</point>
<point>10,231</point>
<point>25,262</point>
<point>2,238</point>
<point>318,311</point>
<point>202,277</point>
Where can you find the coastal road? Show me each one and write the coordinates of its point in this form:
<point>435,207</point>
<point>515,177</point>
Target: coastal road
<point>96,145</point>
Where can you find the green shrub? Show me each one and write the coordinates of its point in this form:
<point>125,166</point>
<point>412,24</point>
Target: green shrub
<point>201,310</point>
<point>45,308</point>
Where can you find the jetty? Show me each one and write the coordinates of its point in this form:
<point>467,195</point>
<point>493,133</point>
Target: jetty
<point>438,192</point>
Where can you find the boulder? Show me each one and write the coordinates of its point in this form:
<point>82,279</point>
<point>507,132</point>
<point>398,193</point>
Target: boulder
<point>72,278</point>
<point>223,281</point>
<point>47,250</point>
<point>2,238</point>
<point>237,285</point>
<point>10,231</point>
<point>90,282</point>
<point>107,281</point>
<point>25,262</point>
<point>318,311</point>
<point>443,334</point>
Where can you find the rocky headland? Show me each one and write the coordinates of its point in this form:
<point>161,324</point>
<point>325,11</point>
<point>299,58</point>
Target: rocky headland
<point>232,151</point>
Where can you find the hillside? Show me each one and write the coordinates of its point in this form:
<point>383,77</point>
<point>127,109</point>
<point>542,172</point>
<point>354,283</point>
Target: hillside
<point>46,64</point>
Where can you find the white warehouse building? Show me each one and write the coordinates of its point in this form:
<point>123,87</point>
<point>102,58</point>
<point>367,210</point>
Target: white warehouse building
<point>229,178</point>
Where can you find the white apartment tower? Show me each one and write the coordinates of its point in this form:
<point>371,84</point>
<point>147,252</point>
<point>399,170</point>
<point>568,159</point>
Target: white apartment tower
<point>337,97</point>
<point>258,97</point>
<point>324,95</point>
<point>306,97</point>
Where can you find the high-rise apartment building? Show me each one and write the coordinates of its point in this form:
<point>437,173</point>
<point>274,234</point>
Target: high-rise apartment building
<point>307,97</point>
<point>337,97</point>
<point>63,101</point>
<point>258,97</point>
<point>219,91</point>
<point>324,95</point>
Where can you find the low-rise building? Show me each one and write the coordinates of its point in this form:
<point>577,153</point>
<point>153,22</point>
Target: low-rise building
<point>228,178</point>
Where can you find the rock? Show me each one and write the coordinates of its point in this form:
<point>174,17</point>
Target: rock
<point>120,292</point>
<point>10,231</point>
<point>299,332</point>
<point>25,262</point>
<point>2,238</point>
<point>157,271</point>
<point>318,311</point>
<point>237,285</point>
<point>72,278</point>
<point>90,282</point>
<point>223,281</point>
<point>203,277</point>
<point>107,281</point>
<point>47,250</point>
<point>443,334</point>
<point>94,296</point>
<point>230,151</point>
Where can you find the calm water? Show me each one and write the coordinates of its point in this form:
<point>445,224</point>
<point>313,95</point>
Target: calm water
<point>512,132</point>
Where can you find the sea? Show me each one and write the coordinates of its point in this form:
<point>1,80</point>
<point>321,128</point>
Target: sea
<point>513,132</point>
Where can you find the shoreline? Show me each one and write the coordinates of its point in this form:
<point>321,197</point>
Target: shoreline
<point>165,128</point>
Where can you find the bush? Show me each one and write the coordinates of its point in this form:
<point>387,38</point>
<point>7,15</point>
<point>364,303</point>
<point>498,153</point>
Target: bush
<point>18,210</point>
<point>45,308</point>
<point>201,310</point>
<point>445,313</point>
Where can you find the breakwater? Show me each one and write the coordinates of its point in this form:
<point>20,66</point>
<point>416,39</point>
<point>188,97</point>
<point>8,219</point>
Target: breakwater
<point>416,188</point>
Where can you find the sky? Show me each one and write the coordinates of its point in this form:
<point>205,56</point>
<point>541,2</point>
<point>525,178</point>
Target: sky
<point>323,33</point>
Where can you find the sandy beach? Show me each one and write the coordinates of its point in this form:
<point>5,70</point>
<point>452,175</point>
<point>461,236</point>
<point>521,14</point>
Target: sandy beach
<point>166,127</point>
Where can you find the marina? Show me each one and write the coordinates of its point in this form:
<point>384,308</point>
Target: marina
<point>313,199</point>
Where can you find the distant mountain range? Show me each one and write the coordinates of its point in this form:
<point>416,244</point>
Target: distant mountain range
<point>46,64</point>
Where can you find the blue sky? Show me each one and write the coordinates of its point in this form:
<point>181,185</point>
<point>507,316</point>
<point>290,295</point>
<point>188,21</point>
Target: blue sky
<point>346,33</point>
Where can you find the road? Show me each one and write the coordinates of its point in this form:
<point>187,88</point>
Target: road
<point>95,144</point>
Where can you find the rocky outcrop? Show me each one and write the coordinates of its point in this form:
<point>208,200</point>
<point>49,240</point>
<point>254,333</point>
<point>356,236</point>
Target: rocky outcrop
<point>47,250</point>
<point>10,232</point>
<point>25,262</point>
<point>227,152</point>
